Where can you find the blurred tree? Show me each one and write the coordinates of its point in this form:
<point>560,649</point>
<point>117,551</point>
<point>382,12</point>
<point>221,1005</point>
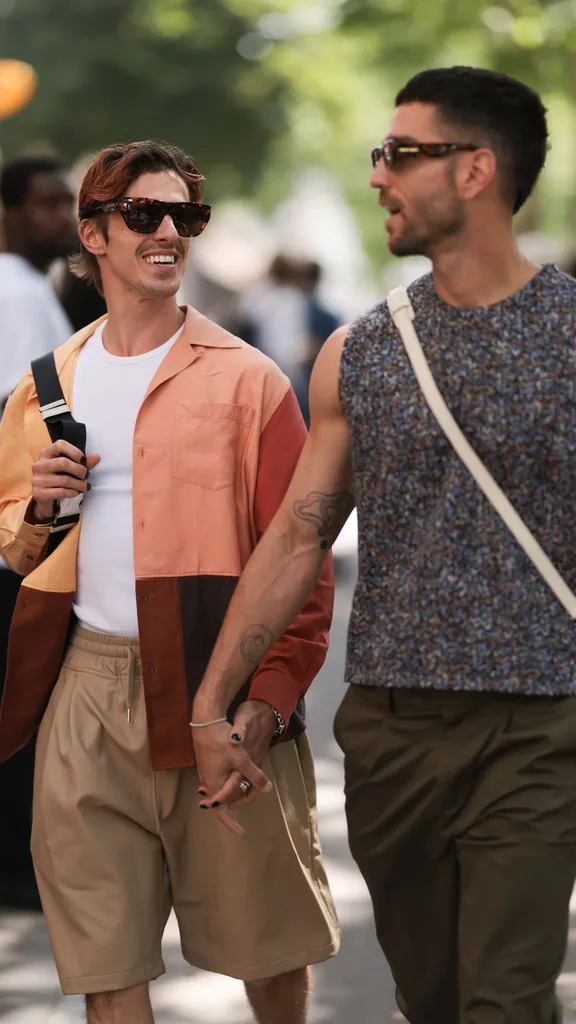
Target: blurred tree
<point>257,88</point>
<point>111,70</point>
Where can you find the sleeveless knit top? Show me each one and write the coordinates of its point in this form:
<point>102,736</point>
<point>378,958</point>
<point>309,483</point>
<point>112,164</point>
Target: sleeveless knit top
<point>445,597</point>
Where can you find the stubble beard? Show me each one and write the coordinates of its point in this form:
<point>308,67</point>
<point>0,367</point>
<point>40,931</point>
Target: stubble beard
<point>438,222</point>
<point>162,291</point>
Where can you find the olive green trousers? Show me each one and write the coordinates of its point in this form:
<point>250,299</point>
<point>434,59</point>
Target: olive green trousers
<point>461,813</point>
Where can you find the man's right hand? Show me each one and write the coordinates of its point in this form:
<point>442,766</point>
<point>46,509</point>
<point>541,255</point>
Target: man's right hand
<point>60,472</point>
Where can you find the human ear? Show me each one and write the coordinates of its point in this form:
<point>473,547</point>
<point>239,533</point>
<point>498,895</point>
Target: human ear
<point>92,237</point>
<point>476,172</point>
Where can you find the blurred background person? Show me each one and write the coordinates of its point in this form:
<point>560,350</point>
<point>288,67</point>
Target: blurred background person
<point>38,227</point>
<point>283,317</point>
<point>321,322</point>
<point>273,316</point>
<point>81,301</point>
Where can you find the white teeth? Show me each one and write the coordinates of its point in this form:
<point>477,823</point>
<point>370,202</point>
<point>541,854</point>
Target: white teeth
<point>160,259</point>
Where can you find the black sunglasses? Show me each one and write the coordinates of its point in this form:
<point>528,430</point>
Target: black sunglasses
<point>146,215</point>
<point>394,151</point>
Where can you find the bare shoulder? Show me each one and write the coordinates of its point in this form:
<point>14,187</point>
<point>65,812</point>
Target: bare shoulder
<point>331,351</point>
<point>324,385</point>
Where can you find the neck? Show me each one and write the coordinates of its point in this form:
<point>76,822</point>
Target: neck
<point>481,267</point>
<point>140,324</point>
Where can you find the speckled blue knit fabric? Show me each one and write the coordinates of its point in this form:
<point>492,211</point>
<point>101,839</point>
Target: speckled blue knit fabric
<point>445,597</point>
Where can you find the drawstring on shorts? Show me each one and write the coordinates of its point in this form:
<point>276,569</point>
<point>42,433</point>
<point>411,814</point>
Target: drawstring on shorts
<point>130,683</point>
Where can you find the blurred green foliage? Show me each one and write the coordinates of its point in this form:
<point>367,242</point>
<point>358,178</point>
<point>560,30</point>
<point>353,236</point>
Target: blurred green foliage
<point>113,70</point>
<point>256,89</point>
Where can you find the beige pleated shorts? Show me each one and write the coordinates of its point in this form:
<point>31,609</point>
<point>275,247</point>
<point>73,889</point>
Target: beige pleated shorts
<point>117,845</point>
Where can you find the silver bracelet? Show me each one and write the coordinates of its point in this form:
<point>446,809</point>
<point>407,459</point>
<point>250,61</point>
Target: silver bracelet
<point>204,725</point>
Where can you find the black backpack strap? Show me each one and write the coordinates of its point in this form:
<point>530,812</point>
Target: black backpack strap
<point>53,406</point>
<point>61,426</point>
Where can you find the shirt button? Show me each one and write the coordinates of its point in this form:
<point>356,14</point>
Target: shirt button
<point>145,598</point>
<point>152,668</point>
<point>29,557</point>
<point>38,534</point>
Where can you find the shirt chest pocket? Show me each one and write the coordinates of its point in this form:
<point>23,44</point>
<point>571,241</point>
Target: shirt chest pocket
<point>209,442</point>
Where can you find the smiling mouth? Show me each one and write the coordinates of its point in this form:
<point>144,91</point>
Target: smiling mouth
<point>166,260</point>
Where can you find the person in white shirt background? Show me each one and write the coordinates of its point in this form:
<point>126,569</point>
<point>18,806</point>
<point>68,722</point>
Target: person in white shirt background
<point>37,227</point>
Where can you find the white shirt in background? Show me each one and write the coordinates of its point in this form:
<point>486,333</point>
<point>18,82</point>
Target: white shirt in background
<point>32,322</point>
<point>106,395</point>
<point>32,319</point>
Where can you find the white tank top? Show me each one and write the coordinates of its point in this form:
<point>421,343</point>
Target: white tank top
<point>106,395</point>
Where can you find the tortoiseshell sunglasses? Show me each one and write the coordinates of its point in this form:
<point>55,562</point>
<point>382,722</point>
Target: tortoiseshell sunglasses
<point>395,151</point>
<point>146,215</point>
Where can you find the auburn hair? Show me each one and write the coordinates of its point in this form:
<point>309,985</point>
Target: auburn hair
<point>110,175</point>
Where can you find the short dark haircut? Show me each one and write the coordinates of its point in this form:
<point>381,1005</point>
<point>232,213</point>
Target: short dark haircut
<point>494,110</point>
<point>15,177</point>
<point>112,172</point>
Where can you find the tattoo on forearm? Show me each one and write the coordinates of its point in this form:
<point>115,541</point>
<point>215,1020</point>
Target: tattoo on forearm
<point>254,643</point>
<point>328,512</point>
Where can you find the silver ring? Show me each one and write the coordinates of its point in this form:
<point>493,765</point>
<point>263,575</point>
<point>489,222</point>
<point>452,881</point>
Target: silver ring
<point>244,785</point>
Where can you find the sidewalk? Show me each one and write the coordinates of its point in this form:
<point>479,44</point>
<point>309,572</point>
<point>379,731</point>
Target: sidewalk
<point>29,991</point>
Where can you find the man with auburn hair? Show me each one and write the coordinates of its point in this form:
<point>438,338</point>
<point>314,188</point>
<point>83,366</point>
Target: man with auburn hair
<point>192,437</point>
<point>459,726</point>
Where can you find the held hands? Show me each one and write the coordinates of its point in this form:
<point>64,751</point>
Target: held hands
<point>59,472</point>
<point>228,756</point>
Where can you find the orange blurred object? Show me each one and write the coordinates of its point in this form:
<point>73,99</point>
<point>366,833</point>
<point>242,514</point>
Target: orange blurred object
<point>17,86</point>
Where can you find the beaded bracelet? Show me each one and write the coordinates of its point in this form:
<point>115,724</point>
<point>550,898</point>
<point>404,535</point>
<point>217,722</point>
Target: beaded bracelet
<point>204,725</point>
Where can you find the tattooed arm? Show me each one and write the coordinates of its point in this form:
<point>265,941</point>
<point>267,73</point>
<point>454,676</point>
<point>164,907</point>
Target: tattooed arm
<point>287,562</point>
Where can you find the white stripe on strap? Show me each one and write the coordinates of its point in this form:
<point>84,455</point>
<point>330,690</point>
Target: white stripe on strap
<point>403,314</point>
<point>53,409</point>
<point>56,528</point>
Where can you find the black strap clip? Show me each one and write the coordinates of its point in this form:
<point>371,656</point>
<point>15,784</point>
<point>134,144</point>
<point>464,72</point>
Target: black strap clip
<point>61,424</point>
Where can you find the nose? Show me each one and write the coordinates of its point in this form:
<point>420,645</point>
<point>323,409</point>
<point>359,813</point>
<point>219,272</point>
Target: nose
<point>167,231</point>
<point>380,177</point>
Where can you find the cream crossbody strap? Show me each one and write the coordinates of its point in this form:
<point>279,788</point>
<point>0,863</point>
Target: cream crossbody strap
<point>403,314</point>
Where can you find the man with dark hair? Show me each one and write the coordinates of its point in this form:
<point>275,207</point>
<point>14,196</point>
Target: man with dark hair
<point>192,437</point>
<point>459,726</point>
<point>37,226</point>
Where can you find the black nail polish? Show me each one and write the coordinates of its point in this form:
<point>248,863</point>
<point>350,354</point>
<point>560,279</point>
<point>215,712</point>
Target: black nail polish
<point>203,792</point>
<point>203,807</point>
<point>216,804</point>
<point>88,487</point>
<point>236,737</point>
<point>83,461</point>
